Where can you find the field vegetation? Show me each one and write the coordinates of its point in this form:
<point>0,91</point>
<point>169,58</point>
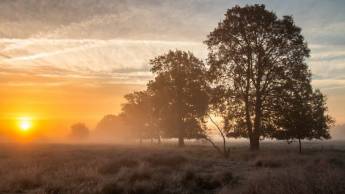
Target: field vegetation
<point>112,169</point>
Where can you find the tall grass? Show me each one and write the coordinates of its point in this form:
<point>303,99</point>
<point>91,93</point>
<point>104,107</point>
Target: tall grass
<point>192,170</point>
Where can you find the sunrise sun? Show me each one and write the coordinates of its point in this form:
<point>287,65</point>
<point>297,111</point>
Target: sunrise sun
<point>25,123</point>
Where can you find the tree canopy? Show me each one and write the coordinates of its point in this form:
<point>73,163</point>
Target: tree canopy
<point>256,80</point>
<point>304,117</point>
<point>79,131</point>
<point>180,92</point>
<point>137,112</point>
<point>253,57</point>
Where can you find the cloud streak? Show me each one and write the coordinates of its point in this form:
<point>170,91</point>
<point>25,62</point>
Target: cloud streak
<point>115,60</point>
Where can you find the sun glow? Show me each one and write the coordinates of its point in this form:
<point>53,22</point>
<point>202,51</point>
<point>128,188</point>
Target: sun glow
<point>25,123</point>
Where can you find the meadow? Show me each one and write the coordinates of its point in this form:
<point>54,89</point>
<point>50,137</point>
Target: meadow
<point>150,169</point>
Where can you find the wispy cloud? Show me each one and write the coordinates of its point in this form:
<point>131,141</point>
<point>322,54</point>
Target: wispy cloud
<point>116,60</point>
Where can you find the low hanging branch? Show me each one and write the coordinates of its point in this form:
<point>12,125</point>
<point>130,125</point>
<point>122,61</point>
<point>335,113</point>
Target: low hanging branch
<point>226,151</point>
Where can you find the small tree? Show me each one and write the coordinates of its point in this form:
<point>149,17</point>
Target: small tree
<point>220,108</point>
<point>224,150</point>
<point>304,117</point>
<point>79,131</point>
<point>180,92</point>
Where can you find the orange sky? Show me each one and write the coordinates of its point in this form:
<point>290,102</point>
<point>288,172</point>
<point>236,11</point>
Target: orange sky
<point>54,109</point>
<point>62,63</point>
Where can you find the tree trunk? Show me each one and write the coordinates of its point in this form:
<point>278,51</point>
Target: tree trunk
<point>158,137</point>
<point>159,140</point>
<point>226,153</point>
<point>254,142</point>
<point>180,141</point>
<point>300,145</point>
<point>181,134</point>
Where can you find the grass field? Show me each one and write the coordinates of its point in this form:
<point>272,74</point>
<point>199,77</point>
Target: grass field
<point>150,169</point>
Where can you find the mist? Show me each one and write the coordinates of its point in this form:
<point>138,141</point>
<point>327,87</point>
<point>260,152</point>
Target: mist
<point>170,97</point>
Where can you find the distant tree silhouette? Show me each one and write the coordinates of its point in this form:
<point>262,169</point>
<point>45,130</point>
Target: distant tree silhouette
<point>253,57</point>
<point>304,117</point>
<point>79,131</point>
<point>180,92</point>
<point>110,126</point>
<point>137,112</point>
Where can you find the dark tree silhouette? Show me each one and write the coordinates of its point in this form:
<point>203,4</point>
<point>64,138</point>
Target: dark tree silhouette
<point>304,117</point>
<point>253,56</point>
<point>180,91</point>
<point>79,131</point>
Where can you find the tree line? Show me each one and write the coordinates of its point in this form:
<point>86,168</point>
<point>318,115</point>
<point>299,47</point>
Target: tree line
<point>254,84</point>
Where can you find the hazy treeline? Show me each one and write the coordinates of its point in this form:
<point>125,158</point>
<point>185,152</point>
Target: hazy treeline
<point>254,84</point>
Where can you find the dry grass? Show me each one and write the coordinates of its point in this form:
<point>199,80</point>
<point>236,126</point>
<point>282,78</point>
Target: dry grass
<point>168,170</point>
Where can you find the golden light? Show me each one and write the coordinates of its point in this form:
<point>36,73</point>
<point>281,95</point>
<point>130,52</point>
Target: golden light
<point>25,123</point>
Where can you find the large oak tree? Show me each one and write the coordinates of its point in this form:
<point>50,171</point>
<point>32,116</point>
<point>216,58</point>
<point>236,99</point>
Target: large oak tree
<point>254,55</point>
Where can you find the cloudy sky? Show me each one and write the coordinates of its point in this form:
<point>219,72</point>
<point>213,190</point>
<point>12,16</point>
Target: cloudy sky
<point>72,61</point>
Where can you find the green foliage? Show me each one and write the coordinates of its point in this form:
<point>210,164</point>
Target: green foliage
<point>254,57</point>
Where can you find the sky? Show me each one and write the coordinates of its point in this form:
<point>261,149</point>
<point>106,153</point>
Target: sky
<point>65,61</point>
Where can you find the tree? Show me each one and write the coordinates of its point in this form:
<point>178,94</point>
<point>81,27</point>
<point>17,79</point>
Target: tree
<point>138,114</point>
<point>110,127</point>
<point>79,131</point>
<point>305,117</point>
<point>108,123</point>
<point>219,108</point>
<point>253,57</point>
<point>224,150</point>
<point>180,92</point>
